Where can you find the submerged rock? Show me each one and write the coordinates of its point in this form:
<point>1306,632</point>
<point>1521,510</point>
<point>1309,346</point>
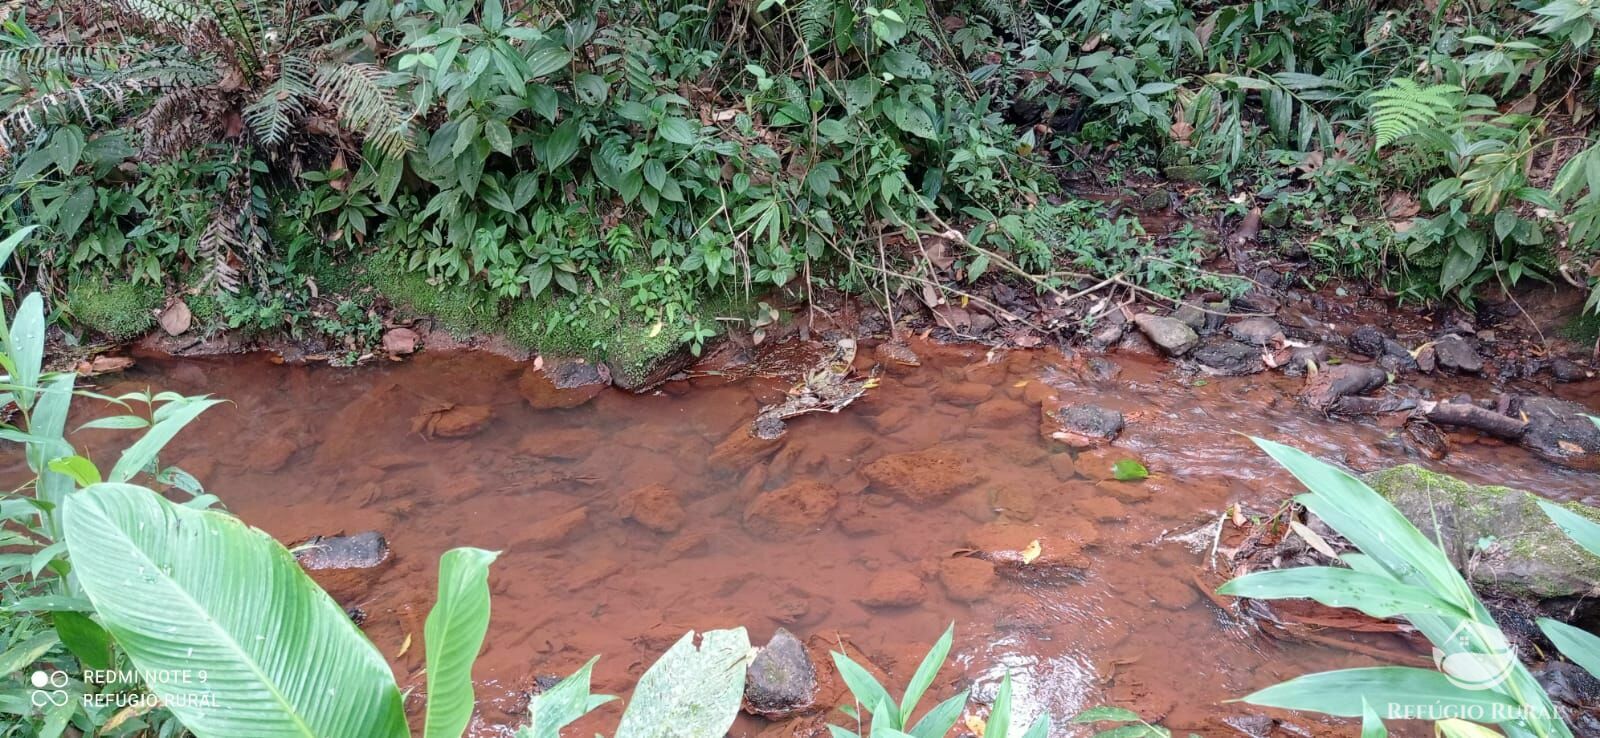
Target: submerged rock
<point>1498,536</point>
<point>1173,336</point>
<point>781,681</point>
<point>562,383</point>
<point>920,476</point>
<point>895,588</point>
<point>363,550</point>
<point>654,507</point>
<point>797,508</point>
<point>1566,370</point>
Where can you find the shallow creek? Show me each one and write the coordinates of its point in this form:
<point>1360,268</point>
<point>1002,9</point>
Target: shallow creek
<point>312,450</point>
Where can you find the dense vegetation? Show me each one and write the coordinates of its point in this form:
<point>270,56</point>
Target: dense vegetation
<point>556,171</point>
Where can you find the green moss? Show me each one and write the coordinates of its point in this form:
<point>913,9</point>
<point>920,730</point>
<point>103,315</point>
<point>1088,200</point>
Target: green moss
<point>120,311</point>
<point>461,310</point>
<point>1517,549</point>
<point>1582,328</point>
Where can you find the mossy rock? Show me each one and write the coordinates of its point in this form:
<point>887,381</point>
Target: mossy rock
<point>120,311</point>
<point>1497,535</point>
<point>462,310</point>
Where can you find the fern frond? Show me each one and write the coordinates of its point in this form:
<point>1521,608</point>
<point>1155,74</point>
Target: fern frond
<point>814,21</point>
<point>176,13</point>
<point>366,103</point>
<point>282,103</point>
<point>1403,107</point>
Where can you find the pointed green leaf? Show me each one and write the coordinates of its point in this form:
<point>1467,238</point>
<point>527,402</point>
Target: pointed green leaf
<point>1580,646</point>
<point>1341,693</point>
<point>453,635</point>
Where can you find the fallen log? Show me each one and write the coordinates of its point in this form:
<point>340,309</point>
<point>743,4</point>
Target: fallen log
<point>1467,415</point>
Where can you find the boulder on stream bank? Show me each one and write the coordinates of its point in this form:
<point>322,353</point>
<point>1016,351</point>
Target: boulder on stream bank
<point>1498,536</point>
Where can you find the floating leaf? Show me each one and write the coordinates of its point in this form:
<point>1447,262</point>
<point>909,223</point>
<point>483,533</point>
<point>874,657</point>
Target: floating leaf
<point>1129,470</point>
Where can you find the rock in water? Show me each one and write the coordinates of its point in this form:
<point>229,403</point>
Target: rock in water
<point>1258,331</point>
<point>1080,425</point>
<point>1227,357</point>
<point>781,681</point>
<point>358,551</point>
<point>1562,432</point>
<point>1367,341</point>
<point>1458,354</point>
<point>1529,556</point>
<point>562,383</point>
<point>1172,335</point>
<point>1326,387</point>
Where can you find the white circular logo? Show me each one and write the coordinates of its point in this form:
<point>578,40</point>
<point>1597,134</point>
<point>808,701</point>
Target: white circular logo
<point>40,679</point>
<point>1481,659</point>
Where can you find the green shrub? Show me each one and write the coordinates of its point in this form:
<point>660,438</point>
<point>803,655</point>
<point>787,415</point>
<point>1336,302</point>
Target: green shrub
<point>120,311</point>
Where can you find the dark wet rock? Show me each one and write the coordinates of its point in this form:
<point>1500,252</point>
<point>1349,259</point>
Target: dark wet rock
<point>563,383</point>
<point>1258,300</point>
<point>357,615</point>
<point>895,588</point>
<point>400,341</point>
<point>1079,424</point>
<point>1561,431</point>
<point>1367,341</point>
<point>781,681</point>
<point>1102,369</point>
<point>1459,354</point>
<point>1526,554</point>
<point>363,550</point>
<point>1227,357</point>
<point>1396,358</point>
<point>1294,361</point>
<point>1170,334</point>
<point>1156,200</point>
<point>1256,331</point>
<point>1325,388</point>
<point>1572,686</point>
<point>1107,335</point>
<point>1566,370</point>
<point>1191,316</point>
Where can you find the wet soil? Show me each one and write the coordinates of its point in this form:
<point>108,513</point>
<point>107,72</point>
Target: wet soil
<point>620,529</point>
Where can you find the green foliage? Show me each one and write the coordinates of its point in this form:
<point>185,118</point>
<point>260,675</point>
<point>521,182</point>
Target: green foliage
<point>1130,725</point>
<point>118,310</point>
<point>1402,107</point>
<point>1398,572</point>
<point>1580,646</point>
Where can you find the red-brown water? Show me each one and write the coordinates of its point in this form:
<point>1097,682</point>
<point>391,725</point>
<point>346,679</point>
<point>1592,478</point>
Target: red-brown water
<point>1132,630</point>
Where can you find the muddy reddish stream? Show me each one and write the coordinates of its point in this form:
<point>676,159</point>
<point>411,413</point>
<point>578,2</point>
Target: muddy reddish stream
<point>315,450</point>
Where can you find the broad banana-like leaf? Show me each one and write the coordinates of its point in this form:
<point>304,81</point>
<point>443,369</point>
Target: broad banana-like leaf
<point>226,628</point>
<point>453,634</point>
<point>1374,594</point>
<point>691,692</point>
<point>1581,646</point>
<point>1347,693</point>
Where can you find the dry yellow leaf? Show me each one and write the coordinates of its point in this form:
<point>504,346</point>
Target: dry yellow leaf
<point>1031,551</point>
<point>404,646</point>
<point>1020,383</point>
<point>976,725</point>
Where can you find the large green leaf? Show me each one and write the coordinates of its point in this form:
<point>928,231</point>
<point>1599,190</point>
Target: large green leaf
<point>1581,530</point>
<point>231,634</point>
<point>555,708</point>
<point>24,345</point>
<point>1342,692</point>
<point>1373,594</point>
<point>1581,646</point>
<point>1371,523</point>
<point>453,634</point>
<point>926,671</point>
<point>691,692</point>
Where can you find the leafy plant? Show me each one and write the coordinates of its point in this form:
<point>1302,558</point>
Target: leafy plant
<point>1582,647</point>
<point>1399,573</point>
<point>1402,107</point>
